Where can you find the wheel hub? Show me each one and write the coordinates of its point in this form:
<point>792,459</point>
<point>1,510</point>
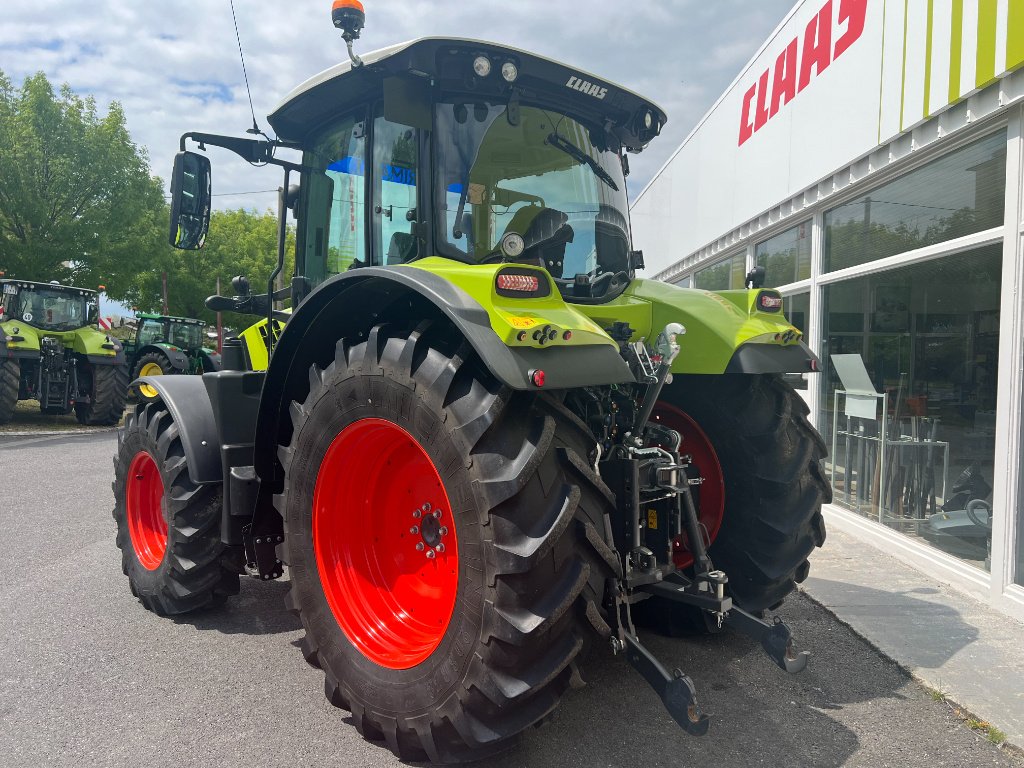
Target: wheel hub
<point>144,498</point>
<point>390,579</point>
<point>705,469</point>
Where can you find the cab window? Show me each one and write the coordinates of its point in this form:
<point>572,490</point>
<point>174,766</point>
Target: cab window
<point>394,192</point>
<point>334,185</point>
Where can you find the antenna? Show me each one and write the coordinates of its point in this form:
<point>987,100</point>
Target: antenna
<point>255,128</point>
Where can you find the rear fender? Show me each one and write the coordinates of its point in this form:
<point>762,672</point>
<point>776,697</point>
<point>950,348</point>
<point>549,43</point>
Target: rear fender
<point>18,340</point>
<point>177,358</point>
<point>742,331</point>
<point>351,303</point>
<point>189,404</point>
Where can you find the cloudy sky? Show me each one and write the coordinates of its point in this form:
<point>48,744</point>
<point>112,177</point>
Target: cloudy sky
<point>174,65</point>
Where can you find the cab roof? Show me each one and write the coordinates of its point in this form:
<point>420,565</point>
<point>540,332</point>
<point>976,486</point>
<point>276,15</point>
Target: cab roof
<point>172,318</point>
<point>447,62</point>
<point>51,286</point>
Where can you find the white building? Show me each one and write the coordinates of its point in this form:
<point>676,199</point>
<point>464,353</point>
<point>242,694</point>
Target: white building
<point>870,157</point>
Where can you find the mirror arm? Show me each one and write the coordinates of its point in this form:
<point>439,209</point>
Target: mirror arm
<point>250,150</point>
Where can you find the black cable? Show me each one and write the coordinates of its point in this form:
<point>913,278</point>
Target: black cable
<point>255,128</point>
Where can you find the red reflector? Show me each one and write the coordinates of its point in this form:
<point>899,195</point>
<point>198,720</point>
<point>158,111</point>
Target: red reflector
<point>537,378</point>
<point>523,283</point>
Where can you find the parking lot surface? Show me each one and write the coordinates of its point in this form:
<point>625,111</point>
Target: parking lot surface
<point>88,677</point>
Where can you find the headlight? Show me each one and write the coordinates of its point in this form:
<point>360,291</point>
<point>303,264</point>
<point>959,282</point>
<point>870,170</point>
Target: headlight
<point>509,72</point>
<point>482,66</point>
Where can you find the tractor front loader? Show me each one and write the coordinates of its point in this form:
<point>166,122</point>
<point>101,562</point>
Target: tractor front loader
<point>481,444</point>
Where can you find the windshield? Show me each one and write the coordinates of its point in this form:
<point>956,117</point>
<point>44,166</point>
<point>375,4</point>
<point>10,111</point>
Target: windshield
<point>51,309</point>
<point>548,178</point>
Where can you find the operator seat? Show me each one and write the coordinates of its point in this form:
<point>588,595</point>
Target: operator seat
<point>546,232</point>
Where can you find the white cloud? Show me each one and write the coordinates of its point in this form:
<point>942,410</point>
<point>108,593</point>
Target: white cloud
<point>174,65</point>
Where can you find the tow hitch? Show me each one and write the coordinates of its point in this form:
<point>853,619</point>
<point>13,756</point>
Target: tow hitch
<point>650,468</point>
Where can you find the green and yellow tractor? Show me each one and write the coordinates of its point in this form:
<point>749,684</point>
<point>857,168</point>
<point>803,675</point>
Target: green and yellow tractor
<point>52,351</point>
<point>481,443</point>
<point>162,345</point>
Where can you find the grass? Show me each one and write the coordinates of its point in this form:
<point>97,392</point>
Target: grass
<point>982,727</point>
<point>28,418</point>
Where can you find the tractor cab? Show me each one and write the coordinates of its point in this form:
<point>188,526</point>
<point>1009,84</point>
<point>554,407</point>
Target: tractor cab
<point>462,149</point>
<point>48,306</point>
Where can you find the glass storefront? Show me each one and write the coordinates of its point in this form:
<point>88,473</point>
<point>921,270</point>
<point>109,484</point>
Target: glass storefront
<point>923,340</point>
<point>955,195</point>
<point>724,275</point>
<point>787,256</point>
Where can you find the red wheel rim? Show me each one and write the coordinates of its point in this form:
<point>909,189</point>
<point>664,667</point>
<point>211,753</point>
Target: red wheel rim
<point>712,491</point>
<point>146,525</point>
<point>379,509</point>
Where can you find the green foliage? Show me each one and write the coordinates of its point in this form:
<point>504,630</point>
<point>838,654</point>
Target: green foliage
<point>239,243</point>
<point>77,203</point>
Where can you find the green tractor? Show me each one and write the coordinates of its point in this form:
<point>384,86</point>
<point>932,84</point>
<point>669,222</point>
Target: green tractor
<point>52,351</point>
<point>481,444</point>
<point>162,345</point>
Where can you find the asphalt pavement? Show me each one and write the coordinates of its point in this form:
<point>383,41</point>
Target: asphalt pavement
<point>89,678</point>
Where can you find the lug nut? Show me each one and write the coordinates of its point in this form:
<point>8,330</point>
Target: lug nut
<point>430,554</point>
<point>426,506</point>
<point>437,514</point>
<point>417,514</point>
<point>419,546</point>
<point>414,530</point>
<point>443,530</point>
<point>439,548</point>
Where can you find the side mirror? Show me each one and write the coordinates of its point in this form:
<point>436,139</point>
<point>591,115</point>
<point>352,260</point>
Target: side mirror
<point>190,201</point>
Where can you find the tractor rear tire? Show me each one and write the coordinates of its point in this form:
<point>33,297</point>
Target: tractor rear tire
<point>486,639</point>
<point>107,395</point>
<point>10,382</point>
<point>168,528</point>
<point>771,464</point>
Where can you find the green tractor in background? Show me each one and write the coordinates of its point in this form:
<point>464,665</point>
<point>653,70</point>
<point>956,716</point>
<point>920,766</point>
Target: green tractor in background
<point>52,351</point>
<point>162,345</point>
<point>481,443</point>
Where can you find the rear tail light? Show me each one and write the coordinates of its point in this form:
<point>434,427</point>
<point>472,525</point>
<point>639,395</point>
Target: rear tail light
<point>522,283</point>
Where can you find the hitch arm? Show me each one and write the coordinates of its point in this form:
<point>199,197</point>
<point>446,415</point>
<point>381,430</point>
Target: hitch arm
<point>675,689</point>
<point>775,638</point>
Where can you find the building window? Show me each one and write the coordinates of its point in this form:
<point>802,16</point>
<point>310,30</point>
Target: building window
<point>798,310</point>
<point>925,337</point>
<point>787,256</point>
<point>683,282</point>
<point>723,276</point>
<point>955,195</point>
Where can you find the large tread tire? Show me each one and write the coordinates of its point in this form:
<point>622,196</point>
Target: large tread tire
<point>531,517</point>
<point>166,369</point>
<point>192,573</point>
<point>10,381</point>
<point>107,396</point>
<point>775,484</point>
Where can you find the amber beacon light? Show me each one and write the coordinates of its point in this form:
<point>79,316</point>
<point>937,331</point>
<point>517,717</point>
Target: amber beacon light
<point>349,17</point>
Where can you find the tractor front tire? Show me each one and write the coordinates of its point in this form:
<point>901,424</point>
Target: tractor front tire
<point>107,394</point>
<point>774,484</point>
<point>151,364</point>
<point>10,381</point>
<point>168,528</point>
<point>444,636</point>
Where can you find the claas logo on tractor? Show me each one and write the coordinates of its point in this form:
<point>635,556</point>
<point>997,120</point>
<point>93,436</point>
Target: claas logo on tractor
<point>467,428</point>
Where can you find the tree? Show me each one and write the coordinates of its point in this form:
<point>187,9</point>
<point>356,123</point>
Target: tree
<point>239,243</point>
<point>77,202</point>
